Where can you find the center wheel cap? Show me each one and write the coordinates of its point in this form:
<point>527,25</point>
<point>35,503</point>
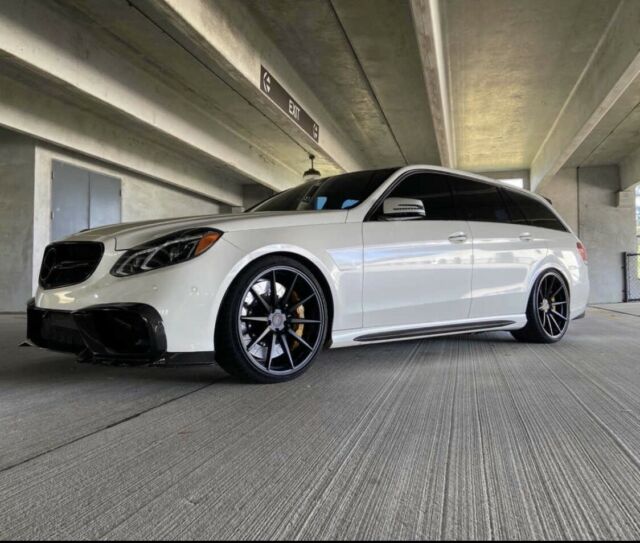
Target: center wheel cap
<point>277,320</point>
<point>546,306</point>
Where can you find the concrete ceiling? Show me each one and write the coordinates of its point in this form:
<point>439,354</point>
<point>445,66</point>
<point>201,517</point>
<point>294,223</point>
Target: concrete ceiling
<point>513,64</point>
<point>514,84</point>
<point>141,40</point>
<point>361,58</point>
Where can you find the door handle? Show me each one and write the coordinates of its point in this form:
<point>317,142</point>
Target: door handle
<point>526,236</point>
<point>458,237</point>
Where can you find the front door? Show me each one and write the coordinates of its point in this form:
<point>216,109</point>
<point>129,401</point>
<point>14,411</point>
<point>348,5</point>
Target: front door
<point>417,271</point>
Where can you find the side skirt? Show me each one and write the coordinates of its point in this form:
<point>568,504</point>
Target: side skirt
<point>433,331</point>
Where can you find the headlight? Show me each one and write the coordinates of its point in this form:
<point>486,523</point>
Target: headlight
<point>166,251</point>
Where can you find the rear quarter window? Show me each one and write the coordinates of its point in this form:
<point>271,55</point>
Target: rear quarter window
<point>528,210</point>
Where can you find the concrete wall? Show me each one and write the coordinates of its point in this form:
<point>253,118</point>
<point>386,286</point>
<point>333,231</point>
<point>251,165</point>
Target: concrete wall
<point>563,193</point>
<point>16,217</point>
<point>142,198</point>
<point>606,230</point>
<point>586,198</point>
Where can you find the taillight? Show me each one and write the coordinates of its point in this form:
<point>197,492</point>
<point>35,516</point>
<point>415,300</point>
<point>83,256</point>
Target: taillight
<point>582,250</point>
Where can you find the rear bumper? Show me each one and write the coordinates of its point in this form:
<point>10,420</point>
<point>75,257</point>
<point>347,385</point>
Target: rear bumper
<point>126,333</point>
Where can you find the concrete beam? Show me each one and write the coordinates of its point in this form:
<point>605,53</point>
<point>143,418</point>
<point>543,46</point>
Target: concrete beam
<point>630,171</point>
<point>598,101</point>
<point>24,109</point>
<point>397,87</point>
<point>224,35</point>
<point>71,55</point>
<point>428,28</point>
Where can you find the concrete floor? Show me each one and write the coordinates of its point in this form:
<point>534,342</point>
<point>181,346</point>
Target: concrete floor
<point>630,308</point>
<point>475,437</point>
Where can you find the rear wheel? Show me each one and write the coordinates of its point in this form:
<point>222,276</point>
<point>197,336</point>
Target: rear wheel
<point>547,310</point>
<point>272,323</point>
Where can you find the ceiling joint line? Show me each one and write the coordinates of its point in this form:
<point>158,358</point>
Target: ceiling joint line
<point>215,74</point>
<point>366,79</point>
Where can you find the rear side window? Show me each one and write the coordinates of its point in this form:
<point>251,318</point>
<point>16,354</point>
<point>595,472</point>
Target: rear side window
<point>527,210</point>
<point>479,201</point>
<point>433,190</point>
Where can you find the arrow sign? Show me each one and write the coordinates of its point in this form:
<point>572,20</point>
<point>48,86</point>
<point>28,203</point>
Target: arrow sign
<point>279,96</point>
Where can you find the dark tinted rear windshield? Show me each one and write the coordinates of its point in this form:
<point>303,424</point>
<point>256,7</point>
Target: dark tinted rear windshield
<point>338,192</point>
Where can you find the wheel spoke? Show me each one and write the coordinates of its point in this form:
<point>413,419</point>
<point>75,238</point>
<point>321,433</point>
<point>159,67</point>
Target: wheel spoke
<point>298,338</point>
<point>549,288</point>
<point>561,287</point>
<point>558,303</point>
<point>301,302</point>
<point>270,350</point>
<point>258,338</point>
<point>285,346</point>
<point>559,314</point>
<point>304,321</point>
<point>274,289</point>
<point>260,299</point>
<point>287,296</point>
<point>553,320</point>
<point>255,319</point>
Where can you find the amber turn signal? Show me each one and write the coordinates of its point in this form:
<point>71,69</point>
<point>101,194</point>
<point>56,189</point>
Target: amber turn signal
<point>206,242</point>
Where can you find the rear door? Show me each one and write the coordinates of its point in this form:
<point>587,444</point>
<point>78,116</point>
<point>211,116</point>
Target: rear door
<point>505,249</point>
<point>417,271</point>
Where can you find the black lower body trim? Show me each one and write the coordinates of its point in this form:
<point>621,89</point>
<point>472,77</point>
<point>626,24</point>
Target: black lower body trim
<point>123,334</point>
<point>198,358</point>
<point>433,331</point>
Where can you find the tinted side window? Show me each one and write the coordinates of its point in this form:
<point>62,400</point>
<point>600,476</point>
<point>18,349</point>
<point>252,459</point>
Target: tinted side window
<point>433,190</point>
<point>536,213</point>
<point>479,201</point>
<point>516,203</point>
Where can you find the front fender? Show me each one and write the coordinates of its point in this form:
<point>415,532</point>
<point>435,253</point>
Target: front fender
<point>339,260</point>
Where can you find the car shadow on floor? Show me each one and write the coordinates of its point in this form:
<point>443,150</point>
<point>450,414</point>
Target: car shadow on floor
<point>38,365</point>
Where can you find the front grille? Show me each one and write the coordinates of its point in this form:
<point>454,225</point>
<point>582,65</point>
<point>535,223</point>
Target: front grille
<point>69,262</point>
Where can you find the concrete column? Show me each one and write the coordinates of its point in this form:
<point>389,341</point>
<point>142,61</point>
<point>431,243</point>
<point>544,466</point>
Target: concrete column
<point>16,220</point>
<point>586,198</point>
<point>607,230</point>
<point>563,193</point>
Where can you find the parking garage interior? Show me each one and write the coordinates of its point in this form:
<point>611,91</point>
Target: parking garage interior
<point>128,110</point>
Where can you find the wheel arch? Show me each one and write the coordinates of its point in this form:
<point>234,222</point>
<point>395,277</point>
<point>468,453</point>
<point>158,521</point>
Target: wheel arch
<point>547,267</point>
<point>313,267</point>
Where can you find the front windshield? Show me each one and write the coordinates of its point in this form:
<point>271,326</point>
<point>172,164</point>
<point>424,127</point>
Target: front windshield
<point>338,192</point>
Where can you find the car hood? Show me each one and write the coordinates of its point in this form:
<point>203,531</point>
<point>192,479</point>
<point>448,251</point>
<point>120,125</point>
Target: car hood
<point>128,235</point>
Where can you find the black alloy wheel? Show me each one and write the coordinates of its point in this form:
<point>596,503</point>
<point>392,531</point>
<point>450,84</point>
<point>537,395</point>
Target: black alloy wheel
<point>279,322</point>
<point>548,311</point>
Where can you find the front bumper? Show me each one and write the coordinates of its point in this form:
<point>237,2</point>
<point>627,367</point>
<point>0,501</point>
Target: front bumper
<point>126,333</point>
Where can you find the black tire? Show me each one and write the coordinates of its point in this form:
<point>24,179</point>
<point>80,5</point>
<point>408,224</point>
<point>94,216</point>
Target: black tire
<point>266,334</point>
<point>548,312</point>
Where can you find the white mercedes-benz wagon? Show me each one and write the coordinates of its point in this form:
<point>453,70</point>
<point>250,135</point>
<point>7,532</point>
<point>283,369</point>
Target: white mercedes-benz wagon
<point>353,259</point>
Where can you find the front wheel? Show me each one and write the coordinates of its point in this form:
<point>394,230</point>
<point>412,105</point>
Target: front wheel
<point>548,310</point>
<point>272,323</point>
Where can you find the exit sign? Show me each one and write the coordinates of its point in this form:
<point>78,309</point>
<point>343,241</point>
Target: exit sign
<point>286,103</point>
